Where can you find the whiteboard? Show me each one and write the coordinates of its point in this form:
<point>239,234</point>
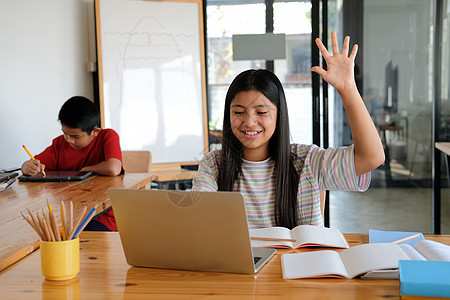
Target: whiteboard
<point>152,78</point>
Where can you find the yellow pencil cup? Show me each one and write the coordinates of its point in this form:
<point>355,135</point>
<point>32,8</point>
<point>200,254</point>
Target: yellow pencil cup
<point>60,260</point>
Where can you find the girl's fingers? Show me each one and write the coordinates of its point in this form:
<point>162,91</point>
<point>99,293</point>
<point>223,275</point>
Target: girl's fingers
<point>346,46</point>
<point>322,48</point>
<point>354,51</point>
<point>334,43</point>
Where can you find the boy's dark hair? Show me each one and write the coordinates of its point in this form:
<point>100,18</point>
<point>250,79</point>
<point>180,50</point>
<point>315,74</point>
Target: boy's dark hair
<point>79,112</point>
<point>286,177</point>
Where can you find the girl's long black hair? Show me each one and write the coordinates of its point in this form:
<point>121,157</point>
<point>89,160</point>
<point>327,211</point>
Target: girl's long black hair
<point>286,177</point>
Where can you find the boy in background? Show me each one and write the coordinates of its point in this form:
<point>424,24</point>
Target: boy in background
<point>83,146</point>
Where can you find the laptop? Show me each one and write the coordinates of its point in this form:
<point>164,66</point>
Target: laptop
<point>186,230</point>
<point>57,176</point>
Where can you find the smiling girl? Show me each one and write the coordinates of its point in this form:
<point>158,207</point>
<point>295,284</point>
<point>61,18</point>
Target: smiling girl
<point>281,182</point>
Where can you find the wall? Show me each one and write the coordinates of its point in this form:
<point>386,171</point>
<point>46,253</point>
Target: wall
<point>44,50</point>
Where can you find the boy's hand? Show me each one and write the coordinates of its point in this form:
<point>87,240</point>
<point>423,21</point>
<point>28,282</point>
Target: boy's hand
<point>340,66</point>
<point>32,167</point>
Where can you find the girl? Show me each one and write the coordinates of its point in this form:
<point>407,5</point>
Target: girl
<point>281,182</point>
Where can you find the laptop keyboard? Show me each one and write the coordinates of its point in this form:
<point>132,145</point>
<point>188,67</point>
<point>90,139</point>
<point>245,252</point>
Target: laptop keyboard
<point>256,259</point>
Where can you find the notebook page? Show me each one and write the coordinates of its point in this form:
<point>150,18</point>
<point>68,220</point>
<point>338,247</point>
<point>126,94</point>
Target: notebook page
<point>271,232</point>
<point>368,257</point>
<point>432,250</point>
<point>412,253</point>
<point>325,263</point>
<point>309,234</point>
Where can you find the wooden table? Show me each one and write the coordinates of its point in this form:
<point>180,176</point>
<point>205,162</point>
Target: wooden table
<point>104,273</point>
<point>17,238</point>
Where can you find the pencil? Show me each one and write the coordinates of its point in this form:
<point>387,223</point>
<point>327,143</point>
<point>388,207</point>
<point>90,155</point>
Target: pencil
<point>49,207</point>
<point>37,224</point>
<point>43,228</point>
<point>66,229</point>
<point>257,238</point>
<point>55,228</point>
<point>30,221</point>
<point>61,212</point>
<point>32,157</point>
<point>48,226</point>
<point>52,222</point>
<point>78,222</point>
<point>406,238</point>
<point>71,216</point>
<point>84,222</point>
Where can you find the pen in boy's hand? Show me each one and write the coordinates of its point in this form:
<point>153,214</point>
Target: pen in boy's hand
<point>32,157</point>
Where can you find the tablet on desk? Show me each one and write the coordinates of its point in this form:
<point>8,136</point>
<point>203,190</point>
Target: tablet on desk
<point>57,176</point>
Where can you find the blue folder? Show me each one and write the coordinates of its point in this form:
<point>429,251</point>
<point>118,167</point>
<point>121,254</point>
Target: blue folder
<point>424,278</point>
<point>382,236</point>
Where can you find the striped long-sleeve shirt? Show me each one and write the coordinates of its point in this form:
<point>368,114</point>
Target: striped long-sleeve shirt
<point>319,169</point>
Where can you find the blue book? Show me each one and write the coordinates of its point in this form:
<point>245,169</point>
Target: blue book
<point>424,278</point>
<point>382,236</point>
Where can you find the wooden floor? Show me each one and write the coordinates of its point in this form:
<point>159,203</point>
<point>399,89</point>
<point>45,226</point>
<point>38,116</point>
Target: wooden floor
<point>402,209</point>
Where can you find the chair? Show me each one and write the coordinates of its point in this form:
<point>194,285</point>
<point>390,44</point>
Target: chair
<point>137,162</point>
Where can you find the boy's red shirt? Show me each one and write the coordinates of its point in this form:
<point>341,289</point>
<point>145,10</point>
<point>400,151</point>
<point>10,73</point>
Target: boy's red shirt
<point>60,156</point>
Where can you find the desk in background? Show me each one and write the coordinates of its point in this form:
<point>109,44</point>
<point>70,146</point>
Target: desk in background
<point>17,238</point>
<point>394,131</point>
<point>444,147</point>
<point>167,174</point>
<point>105,273</point>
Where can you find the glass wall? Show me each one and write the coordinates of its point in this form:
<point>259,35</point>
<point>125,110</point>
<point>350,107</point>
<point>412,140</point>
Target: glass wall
<point>444,116</point>
<point>395,77</point>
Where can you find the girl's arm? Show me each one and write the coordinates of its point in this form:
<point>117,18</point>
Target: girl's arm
<point>369,153</point>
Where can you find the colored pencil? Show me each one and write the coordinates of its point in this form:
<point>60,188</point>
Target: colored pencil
<point>406,238</point>
<point>61,212</point>
<point>44,228</point>
<point>71,216</point>
<point>55,228</point>
<point>66,228</point>
<point>85,222</point>
<point>49,228</point>
<point>36,223</point>
<point>30,221</point>
<point>78,223</point>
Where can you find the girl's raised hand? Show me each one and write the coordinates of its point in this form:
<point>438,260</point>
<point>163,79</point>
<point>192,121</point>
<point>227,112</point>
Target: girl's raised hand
<point>340,66</point>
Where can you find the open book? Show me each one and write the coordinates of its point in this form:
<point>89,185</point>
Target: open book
<point>422,250</point>
<point>348,263</point>
<point>304,236</point>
